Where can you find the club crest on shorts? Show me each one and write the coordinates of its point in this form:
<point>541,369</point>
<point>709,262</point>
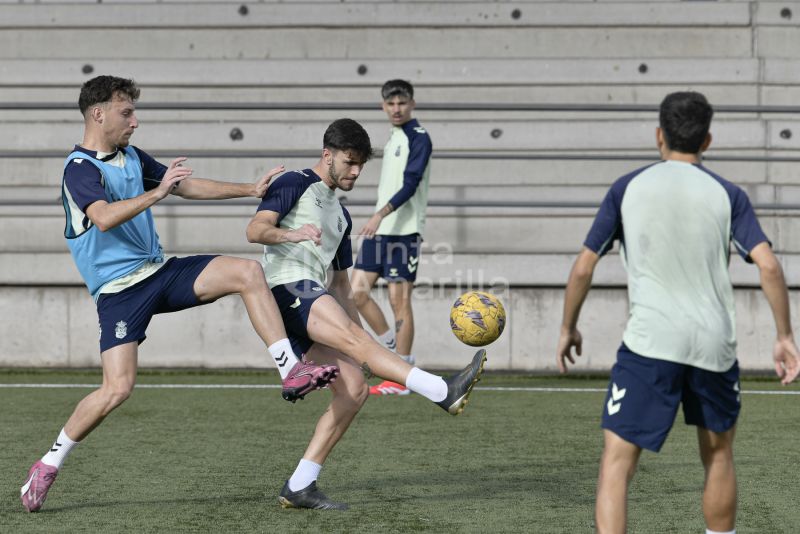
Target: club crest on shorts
<point>121,330</point>
<point>339,224</point>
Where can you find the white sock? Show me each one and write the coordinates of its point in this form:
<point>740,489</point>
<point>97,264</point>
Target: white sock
<point>59,451</point>
<point>430,386</point>
<point>306,473</point>
<point>409,358</point>
<point>708,531</point>
<point>281,351</point>
<point>388,340</point>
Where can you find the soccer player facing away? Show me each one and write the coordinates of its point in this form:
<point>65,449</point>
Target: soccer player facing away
<point>393,235</point>
<point>107,190</point>
<point>675,221</point>
<point>305,231</point>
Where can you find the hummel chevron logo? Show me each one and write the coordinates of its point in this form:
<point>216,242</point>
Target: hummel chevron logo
<point>616,395</point>
<point>296,303</point>
<point>412,264</point>
<point>282,359</point>
<point>56,445</point>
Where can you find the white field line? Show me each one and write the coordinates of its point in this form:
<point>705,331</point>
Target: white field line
<point>277,386</point>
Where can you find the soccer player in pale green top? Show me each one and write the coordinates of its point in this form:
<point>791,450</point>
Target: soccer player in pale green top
<point>393,235</point>
<point>675,221</point>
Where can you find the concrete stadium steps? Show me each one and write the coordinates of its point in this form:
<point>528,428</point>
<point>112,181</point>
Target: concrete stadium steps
<point>458,176</point>
<point>384,14</point>
<point>461,230</point>
<point>192,72</point>
<point>427,96</point>
<point>442,266</point>
<point>394,43</point>
<point>61,330</point>
<point>462,135</point>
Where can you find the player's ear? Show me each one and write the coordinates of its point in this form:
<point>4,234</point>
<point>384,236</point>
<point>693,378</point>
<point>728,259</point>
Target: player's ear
<point>706,143</point>
<point>97,114</point>
<point>327,156</point>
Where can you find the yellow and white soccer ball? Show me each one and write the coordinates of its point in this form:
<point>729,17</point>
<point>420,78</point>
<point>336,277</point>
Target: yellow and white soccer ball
<point>477,318</point>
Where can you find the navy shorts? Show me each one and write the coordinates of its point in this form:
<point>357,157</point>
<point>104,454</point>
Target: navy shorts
<point>294,301</point>
<point>644,394</point>
<point>394,257</point>
<point>124,316</point>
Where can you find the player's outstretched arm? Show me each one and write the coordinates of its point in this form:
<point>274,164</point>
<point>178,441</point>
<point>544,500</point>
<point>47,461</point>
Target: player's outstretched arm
<point>107,215</point>
<point>205,189</point>
<point>264,229</point>
<point>773,283</point>
<point>578,285</point>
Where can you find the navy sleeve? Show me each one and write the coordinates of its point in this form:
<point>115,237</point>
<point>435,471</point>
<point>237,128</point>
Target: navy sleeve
<point>746,232</point>
<point>419,152</point>
<point>152,170</point>
<point>607,225</point>
<point>283,193</point>
<point>83,182</point>
<point>344,254</point>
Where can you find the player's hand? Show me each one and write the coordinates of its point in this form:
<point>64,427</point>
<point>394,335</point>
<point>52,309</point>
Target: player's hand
<point>261,185</point>
<point>568,339</point>
<point>307,232</point>
<point>372,226</point>
<point>787,359</point>
<point>175,174</point>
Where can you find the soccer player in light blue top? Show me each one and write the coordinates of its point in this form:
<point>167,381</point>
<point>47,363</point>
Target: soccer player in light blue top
<point>108,188</point>
<point>306,231</point>
<point>393,235</point>
<point>675,221</point>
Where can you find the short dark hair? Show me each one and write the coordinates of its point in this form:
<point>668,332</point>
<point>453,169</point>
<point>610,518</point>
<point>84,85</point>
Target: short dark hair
<point>101,89</point>
<point>348,135</point>
<point>685,118</point>
<point>394,88</point>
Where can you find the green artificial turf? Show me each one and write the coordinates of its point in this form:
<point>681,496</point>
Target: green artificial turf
<point>213,460</point>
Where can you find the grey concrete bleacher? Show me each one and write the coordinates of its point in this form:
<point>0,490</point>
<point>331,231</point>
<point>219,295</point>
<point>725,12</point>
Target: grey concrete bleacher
<point>739,53</point>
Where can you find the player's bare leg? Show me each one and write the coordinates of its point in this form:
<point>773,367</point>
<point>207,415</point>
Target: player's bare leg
<point>349,395</point>
<point>719,492</point>
<point>329,324</point>
<point>119,377</point>
<point>400,300</point>
<point>226,275</point>
<point>617,467</point>
<point>362,283</point>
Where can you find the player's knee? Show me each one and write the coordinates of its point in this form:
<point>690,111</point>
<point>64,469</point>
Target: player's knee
<point>117,393</point>
<point>251,274</point>
<point>354,397</point>
<point>360,298</point>
<point>400,303</point>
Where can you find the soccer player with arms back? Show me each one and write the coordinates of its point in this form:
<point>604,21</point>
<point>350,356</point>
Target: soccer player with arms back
<point>306,231</point>
<point>675,221</point>
<point>107,190</point>
<point>393,235</point>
